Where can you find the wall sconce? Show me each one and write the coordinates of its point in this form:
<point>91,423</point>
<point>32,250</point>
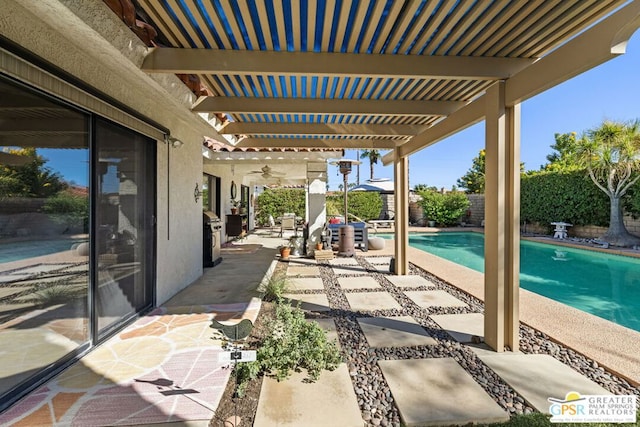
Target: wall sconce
<point>174,142</point>
<point>197,193</point>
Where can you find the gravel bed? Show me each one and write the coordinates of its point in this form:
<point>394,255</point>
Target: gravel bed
<point>374,396</point>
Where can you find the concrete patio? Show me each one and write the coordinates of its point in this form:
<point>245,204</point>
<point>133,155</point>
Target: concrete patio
<point>388,314</point>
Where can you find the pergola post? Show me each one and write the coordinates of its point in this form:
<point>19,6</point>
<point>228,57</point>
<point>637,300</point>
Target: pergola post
<point>316,213</point>
<point>401,189</point>
<point>502,221</point>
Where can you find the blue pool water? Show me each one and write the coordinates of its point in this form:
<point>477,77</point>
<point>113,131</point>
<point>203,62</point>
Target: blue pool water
<point>16,251</point>
<point>602,284</point>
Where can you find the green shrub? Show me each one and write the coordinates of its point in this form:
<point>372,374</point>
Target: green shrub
<point>276,201</point>
<point>365,205</point>
<point>291,343</point>
<point>562,196</point>
<point>445,209</point>
<point>68,209</point>
<point>632,200</point>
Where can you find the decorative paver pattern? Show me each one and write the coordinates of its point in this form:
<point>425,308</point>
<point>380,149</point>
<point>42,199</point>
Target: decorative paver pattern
<point>462,327</point>
<point>303,271</point>
<point>369,301</point>
<point>330,401</point>
<point>343,261</point>
<point>348,269</point>
<point>381,268</point>
<point>401,331</point>
<point>309,302</point>
<point>306,284</point>
<point>364,282</point>
<point>538,376</point>
<point>438,392</point>
<point>139,376</point>
<point>378,260</point>
<point>409,281</point>
<point>434,299</point>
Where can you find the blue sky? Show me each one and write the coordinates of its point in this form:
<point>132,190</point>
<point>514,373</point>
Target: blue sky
<point>610,91</point>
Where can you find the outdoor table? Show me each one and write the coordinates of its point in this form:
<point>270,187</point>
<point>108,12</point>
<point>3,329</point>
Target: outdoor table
<point>560,230</point>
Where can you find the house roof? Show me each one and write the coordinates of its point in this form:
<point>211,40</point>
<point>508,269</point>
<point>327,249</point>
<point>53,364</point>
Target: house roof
<point>374,74</point>
<point>377,184</point>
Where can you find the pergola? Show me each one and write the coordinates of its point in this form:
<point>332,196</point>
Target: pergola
<point>392,75</point>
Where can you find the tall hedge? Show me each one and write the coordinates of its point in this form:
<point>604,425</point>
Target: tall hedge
<point>563,196</point>
<point>276,201</point>
<point>365,205</point>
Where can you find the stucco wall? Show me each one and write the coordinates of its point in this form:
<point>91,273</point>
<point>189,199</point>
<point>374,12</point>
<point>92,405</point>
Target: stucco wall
<point>108,58</point>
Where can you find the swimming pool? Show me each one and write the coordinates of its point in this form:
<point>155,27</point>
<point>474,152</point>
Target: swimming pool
<point>16,251</point>
<point>604,285</point>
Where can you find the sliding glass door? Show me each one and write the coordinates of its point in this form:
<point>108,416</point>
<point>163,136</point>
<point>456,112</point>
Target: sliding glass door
<point>44,236</point>
<point>77,233</point>
<point>124,230</point>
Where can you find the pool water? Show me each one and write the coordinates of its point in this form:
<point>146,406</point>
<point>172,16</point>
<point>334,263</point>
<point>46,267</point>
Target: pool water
<point>16,251</point>
<point>604,285</point>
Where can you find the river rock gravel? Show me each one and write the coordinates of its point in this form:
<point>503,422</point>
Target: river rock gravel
<point>372,391</point>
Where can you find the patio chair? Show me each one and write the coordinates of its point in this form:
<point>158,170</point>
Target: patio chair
<point>272,223</point>
<point>287,223</point>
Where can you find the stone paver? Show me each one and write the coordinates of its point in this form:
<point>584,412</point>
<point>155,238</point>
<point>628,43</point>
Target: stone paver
<point>368,301</point>
<point>552,377</point>
<point>309,302</point>
<point>438,392</point>
<point>461,326</point>
<point>379,260</point>
<point>409,281</point>
<point>301,261</point>
<point>402,331</point>
<point>306,284</point>
<point>343,261</point>
<point>365,282</point>
<point>303,271</point>
<point>381,268</point>
<point>348,269</point>
<point>330,401</point>
<point>434,299</point>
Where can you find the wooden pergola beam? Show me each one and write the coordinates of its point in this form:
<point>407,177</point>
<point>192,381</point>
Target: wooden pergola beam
<point>243,128</point>
<point>335,143</point>
<point>244,62</point>
<point>238,105</point>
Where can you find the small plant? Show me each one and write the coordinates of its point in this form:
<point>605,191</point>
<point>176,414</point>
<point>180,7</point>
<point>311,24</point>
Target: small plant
<point>274,288</point>
<point>291,344</point>
<point>58,292</point>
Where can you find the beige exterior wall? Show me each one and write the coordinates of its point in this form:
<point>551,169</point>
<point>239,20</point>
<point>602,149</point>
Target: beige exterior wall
<point>108,59</point>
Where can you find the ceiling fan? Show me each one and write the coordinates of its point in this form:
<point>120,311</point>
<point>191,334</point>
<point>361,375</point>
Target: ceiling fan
<point>266,172</point>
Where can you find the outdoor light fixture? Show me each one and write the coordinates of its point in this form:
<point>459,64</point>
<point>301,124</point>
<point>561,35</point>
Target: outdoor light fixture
<point>173,142</point>
<point>345,166</point>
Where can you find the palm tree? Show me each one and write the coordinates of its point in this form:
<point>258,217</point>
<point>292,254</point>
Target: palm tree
<point>611,155</point>
<point>373,156</point>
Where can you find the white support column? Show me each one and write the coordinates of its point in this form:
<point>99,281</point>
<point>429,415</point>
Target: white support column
<point>502,221</point>
<point>316,202</point>
<point>401,188</point>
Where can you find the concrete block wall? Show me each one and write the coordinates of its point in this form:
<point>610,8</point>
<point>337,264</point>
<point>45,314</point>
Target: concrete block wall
<point>388,204</point>
<point>476,208</point>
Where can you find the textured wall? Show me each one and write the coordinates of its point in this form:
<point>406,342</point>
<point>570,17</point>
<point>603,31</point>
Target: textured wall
<point>84,38</point>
